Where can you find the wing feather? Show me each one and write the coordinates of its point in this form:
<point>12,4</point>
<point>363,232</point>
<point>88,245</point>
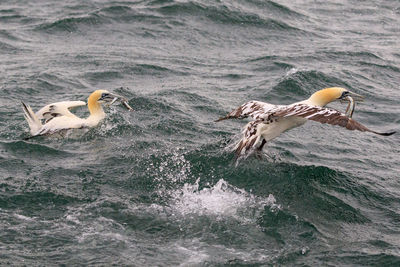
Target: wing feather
<point>254,109</point>
<point>62,108</point>
<point>323,115</point>
<point>265,113</point>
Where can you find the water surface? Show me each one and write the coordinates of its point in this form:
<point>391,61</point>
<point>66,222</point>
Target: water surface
<point>157,187</point>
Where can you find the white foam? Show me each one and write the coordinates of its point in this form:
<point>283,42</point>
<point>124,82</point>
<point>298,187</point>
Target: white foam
<point>106,228</point>
<point>167,168</point>
<point>72,218</point>
<point>221,200</point>
<point>291,71</point>
<point>194,254</point>
<point>22,217</point>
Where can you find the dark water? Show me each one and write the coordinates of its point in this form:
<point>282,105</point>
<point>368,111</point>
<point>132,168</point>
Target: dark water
<point>157,187</point>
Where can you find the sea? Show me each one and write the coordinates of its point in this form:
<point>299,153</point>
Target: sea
<point>159,186</point>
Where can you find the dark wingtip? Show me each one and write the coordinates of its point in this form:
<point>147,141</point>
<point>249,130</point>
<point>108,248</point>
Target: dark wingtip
<point>225,118</point>
<point>26,110</point>
<point>388,133</point>
<point>23,105</point>
<point>28,138</point>
<point>31,136</point>
<point>385,134</point>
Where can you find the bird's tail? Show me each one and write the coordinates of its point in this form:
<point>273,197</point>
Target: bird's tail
<point>31,118</point>
<point>246,146</point>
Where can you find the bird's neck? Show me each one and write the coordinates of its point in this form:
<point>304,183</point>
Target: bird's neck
<point>96,112</point>
<point>318,99</point>
<point>323,97</point>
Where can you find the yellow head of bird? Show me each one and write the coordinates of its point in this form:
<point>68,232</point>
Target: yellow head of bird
<point>327,95</point>
<point>99,96</point>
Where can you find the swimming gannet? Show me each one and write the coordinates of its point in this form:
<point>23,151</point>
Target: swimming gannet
<point>57,116</point>
<point>269,120</point>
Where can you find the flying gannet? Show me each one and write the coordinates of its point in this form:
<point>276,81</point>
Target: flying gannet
<point>269,120</point>
<point>57,116</point>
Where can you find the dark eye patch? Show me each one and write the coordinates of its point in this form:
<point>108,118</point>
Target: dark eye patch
<point>344,94</point>
<point>104,95</point>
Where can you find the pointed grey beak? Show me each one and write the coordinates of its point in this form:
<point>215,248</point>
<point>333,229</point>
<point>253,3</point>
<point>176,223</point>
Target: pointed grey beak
<point>350,97</point>
<point>356,97</point>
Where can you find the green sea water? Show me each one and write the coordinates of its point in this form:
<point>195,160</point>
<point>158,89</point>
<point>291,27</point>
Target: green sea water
<point>159,186</point>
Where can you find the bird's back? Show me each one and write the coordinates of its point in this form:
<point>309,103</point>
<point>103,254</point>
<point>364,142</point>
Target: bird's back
<point>59,108</point>
<point>61,123</point>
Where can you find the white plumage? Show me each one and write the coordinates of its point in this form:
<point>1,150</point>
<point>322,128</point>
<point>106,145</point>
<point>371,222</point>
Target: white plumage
<point>58,117</point>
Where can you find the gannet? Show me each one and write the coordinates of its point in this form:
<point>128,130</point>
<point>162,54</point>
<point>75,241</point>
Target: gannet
<point>270,120</point>
<point>57,116</point>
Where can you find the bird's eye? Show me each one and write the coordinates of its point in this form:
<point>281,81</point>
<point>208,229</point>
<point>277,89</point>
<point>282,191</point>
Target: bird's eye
<point>103,95</point>
<point>344,94</point>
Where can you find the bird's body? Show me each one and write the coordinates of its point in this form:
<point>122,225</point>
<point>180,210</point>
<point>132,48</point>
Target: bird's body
<point>269,120</point>
<point>57,116</point>
<point>274,128</point>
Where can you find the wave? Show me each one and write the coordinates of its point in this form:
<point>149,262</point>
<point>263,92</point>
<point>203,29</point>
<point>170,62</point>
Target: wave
<point>152,69</point>
<point>369,258</point>
<point>383,67</point>
<point>96,18</point>
<point>7,48</point>
<point>32,203</point>
<point>351,55</point>
<point>139,69</point>
<point>126,14</point>
<point>300,84</point>
<point>71,24</point>
<point>22,147</point>
<point>306,189</point>
<point>11,17</point>
<point>275,8</point>
<point>168,15</point>
<point>9,35</point>
<point>223,15</point>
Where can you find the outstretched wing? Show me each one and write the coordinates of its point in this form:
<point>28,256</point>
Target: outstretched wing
<point>264,113</point>
<point>58,109</point>
<point>323,115</point>
<point>255,109</point>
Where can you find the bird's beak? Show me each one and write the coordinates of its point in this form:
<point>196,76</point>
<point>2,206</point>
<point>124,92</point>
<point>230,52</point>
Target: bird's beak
<point>357,97</point>
<point>113,97</point>
<point>352,97</point>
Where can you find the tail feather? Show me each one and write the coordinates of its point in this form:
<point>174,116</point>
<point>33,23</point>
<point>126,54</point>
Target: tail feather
<point>246,146</point>
<point>33,121</point>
